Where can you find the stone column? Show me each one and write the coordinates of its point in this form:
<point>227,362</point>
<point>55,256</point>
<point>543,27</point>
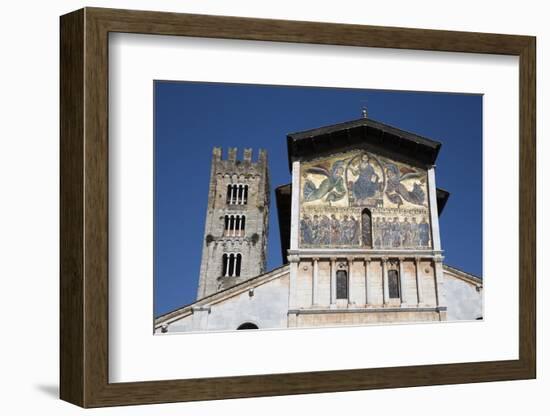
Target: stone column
<point>419,290</point>
<point>402,282</point>
<point>295,208</point>
<point>434,216</point>
<point>332,282</point>
<point>315,282</point>
<point>350,266</point>
<point>293,260</point>
<point>367,292</point>
<point>226,271</point>
<point>438,273</point>
<point>386,291</point>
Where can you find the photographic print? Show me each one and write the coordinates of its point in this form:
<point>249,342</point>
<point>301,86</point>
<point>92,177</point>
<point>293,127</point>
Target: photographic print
<point>304,207</point>
<point>289,198</point>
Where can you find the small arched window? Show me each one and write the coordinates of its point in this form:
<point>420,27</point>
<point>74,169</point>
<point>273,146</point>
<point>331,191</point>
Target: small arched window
<point>225,265</point>
<point>236,229</point>
<point>234,225</point>
<point>241,194</point>
<point>231,197</point>
<point>243,219</point>
<point>237,194</point>
<point>228,198</point>
<point>341,284</point>
<point>238,259</point>
<point>393,284</point>
<point>248,325</point>
<point>231,264</point>
<point>366,228</point>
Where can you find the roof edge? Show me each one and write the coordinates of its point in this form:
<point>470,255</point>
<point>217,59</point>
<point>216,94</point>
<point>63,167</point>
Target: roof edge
<point>187,308</point>
<point>365,133</point>
<point>461,274</point>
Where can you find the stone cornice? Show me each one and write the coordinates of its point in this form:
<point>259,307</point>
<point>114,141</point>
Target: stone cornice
<point>327,253</point>
<point>367,310</point>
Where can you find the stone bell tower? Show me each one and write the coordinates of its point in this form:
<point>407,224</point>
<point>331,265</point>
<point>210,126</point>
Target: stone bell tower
<point>235,233</point>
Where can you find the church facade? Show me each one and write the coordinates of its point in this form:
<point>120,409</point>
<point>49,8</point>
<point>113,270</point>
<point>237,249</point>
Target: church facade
<point>360,238</point>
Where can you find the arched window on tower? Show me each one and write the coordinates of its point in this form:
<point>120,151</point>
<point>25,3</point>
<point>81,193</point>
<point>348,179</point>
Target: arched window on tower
<point>231,264</point>
<point>240,195</point>
<point>341,284</point>
<point>243,220</point>
<point>235,198</point>
<point>237,229</point>
<point>225,265</point>
<point>366,228</point>
<point>232,194</point>
<point>237,194</point>
<point>234,225</point>
<point>238,259</point>
<point>228,198</point>
<point>226,224</point>
<point>393,284</point>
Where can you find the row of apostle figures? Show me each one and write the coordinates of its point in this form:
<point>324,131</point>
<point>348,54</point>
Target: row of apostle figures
<point>322,230</point>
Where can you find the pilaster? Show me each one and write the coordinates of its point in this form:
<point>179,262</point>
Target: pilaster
<point>386,291</point>
<point>333,282</point>
<point>350,282</point>
<point>434,216</point>
<point>438,274</point>
<point>315,282</point>
<point>295,208</point>
<point>419,288</point>
<point>293,261</point>
<point>402,291</point>
<point>368,300</point>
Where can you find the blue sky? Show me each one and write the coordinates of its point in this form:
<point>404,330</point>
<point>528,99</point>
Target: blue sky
<point>192,118</point>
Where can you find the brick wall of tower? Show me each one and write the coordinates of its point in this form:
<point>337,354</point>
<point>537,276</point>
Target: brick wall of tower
<point>252,244</point>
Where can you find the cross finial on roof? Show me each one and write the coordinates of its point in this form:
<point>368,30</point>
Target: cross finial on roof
<point>364,112</point>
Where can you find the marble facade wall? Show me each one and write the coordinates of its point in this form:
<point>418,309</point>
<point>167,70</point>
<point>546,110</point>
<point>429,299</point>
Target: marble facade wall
<point>315,283</point>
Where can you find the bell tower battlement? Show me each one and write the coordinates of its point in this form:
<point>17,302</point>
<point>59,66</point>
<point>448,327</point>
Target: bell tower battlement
<point>236,228</point>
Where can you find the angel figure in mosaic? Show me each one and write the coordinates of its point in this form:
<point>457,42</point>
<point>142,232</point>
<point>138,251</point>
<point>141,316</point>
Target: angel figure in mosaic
<point>332,188</point>
<point>397,192</point>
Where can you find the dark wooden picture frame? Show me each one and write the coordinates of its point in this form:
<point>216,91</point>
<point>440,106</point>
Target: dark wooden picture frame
<point>84,207</point>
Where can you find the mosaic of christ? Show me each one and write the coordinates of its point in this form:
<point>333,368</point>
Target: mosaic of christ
<point>361,199</point>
